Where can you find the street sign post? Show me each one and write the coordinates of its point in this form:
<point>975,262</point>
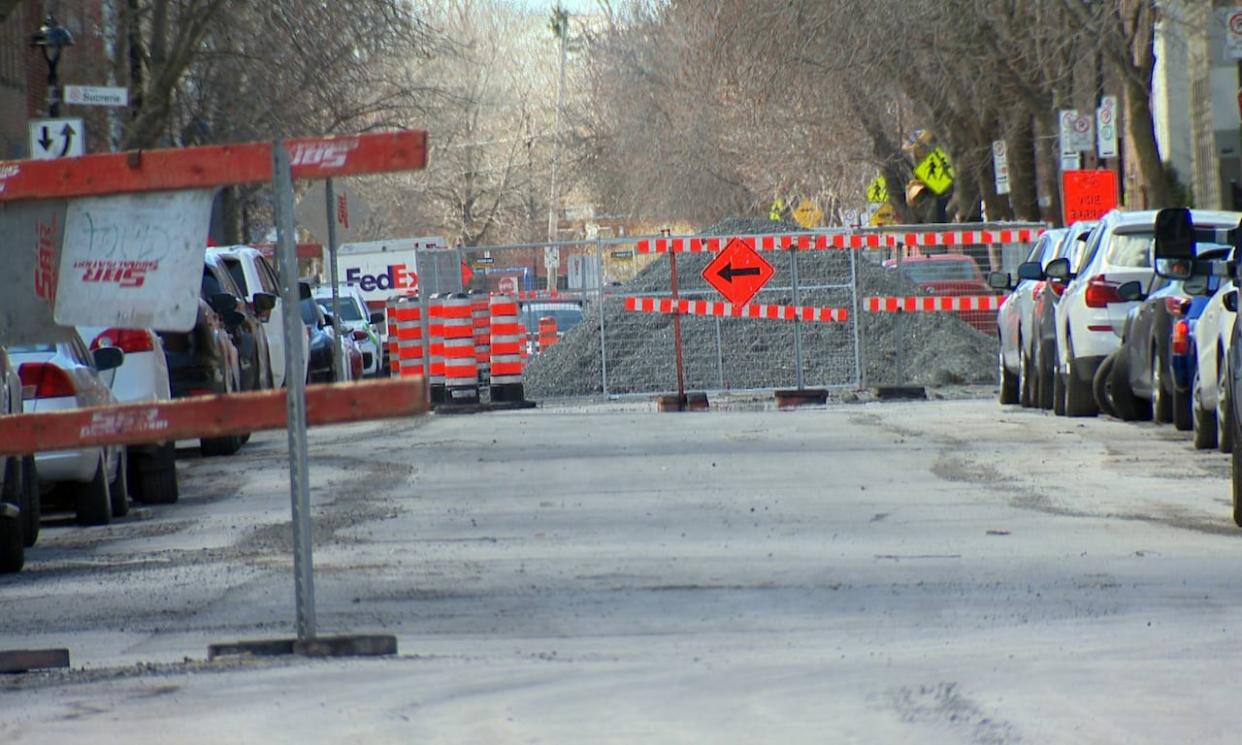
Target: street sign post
<point>57,138</point>
<point>738,272</point>
<point>1106,127</point>
<point>1000,166</point>
<point>1233,33</point>
<point>807,214</point>
<point>877,190</point>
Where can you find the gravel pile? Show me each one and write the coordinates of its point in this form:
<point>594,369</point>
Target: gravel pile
<point>934,348</point>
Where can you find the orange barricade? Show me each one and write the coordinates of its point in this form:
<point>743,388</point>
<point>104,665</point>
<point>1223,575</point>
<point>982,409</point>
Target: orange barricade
<point>547,332</point>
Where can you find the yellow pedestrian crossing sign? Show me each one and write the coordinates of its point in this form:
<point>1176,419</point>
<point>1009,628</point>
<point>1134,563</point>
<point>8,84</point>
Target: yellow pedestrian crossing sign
<point>885,215</point>
<point>778,206</point>
<point>935,171</point>
<point>807,214</point>
<point>877,192</point>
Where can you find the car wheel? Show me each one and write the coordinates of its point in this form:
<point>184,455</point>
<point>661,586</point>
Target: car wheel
<point>1008,383</point>
<point>1224,411</point>
<point>13,487</point>
<point>1028,382</point>
<point>1161,402</point>
<point>1183,417</point>
<point>1043,378</point>
<point>1079,397</point>
<point>1236,486</point>
<point>154,475</point>
<point>32,503</point>
<point>12,544</point>
<point>92,500</point>
<point>1058,393</point>
<point>1204,421</point>
<point>1101,386</point>
<point>226,445</point>
<point>118,488</point>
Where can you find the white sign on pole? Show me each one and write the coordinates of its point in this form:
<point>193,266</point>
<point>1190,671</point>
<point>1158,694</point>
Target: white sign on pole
<point>849,217</point>
<point>1000,165</point>
<point>57,138</point>
<point>1233,33</point>
<point>552,258</point>
<point>1070,162</point>
<point>1077,132</point>
<point>1106,131</point>
<point>133,260</point>
<point>96,95</point>
<point>349,213</point>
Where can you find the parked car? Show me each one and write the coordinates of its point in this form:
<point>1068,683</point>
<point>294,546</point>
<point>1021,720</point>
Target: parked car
<point>1046,294</point>
<point>1091,315</point>
<point>949,274</point>
<point>204,361</point>
<point>566,313</point>
<point>19,490</point>
<point>1212,334</point>
<point>254,276</point>
<point>91,481</point>
<point>1150,378</point>
<point>1014,320</point>
<point>241,318</point>
<point>357,322</point>
<point>320,328</point>
<point>142,376</point>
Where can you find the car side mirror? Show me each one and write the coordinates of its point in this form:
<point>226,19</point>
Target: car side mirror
<point>223,303</point>
<point>304,291</point>
<point>1030,270</point>
<point>1175,234</point>
<point>1198,284</point>
<point>264,302</point>
<point>377,318</point>
<point>1231,301</point>
<point>1131,291</point>
<point>329,321</point>
<point>1058,269</point>
<point>1174,268</point>
<point>108,358</point>
<point>1000,281</point>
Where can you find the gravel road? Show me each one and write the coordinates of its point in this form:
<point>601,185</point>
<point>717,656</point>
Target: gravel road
<point>936,572</point>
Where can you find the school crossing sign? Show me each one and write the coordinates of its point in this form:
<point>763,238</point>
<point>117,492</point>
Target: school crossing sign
<point>935,171</point>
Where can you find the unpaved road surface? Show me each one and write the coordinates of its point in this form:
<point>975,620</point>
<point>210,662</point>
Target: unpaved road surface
<point>922,572</point>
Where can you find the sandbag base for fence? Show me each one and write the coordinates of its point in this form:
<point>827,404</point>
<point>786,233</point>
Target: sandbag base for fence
<point>900,392</point>
<point>352,645</point>
<point>25,660</point>
<point>793,398</point>
<point>484,406</point>
<point>690,402</point>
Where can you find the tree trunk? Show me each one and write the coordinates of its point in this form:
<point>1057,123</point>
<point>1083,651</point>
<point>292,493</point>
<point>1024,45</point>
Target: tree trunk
<point>1048,165</point>
<point>1143,137</point>
<point>1020,146</point>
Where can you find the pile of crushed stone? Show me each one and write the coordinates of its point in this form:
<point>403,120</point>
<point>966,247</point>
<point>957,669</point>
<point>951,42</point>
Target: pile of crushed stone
<point>738,354</point>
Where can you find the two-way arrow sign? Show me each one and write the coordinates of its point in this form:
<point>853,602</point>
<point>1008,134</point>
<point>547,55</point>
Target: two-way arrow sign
<point>57,138</point>
<point>738,272</point>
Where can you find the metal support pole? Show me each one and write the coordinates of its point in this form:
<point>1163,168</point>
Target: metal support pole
<point>295,398</point>
<point>899,327</point>
<point>859,374</point>
<point>603,329</point>
<point>793,269</point>
<point>719,357</point>
<point>338,351</point>
<point>681,375</point>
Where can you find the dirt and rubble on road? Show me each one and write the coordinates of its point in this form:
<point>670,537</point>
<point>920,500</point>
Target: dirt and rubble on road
<point>915,348</point>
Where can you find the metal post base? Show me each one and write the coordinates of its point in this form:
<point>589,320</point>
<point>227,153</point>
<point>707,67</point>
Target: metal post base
<point>352,645</point>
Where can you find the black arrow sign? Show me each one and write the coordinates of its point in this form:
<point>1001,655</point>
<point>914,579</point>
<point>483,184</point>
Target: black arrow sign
<point>727,272</point>
<point>67,132</point>
<point>44,139</point>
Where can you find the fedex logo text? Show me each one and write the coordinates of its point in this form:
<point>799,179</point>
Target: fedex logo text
<point>45,262</point>
<point>396,278</point>
<point>122,273</point>
<point>329,154</point>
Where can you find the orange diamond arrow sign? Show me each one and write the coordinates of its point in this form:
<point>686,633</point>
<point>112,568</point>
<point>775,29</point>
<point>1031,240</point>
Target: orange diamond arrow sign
<point>738,272</point>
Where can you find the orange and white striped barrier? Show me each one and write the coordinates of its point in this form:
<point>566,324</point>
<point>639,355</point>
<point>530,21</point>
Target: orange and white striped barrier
<point>406,333</point>
<point>461,372</point>
<point>508,344</point>
<point>435,346</point>
<point>394,358</point>
<point>482,335</point>
<point>547,333</point>
<point>810,314</point>
<point>839,241</point>
<point>934,304</point>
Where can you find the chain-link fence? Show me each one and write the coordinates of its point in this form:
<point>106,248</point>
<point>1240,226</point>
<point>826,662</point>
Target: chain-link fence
<point>604,344</point>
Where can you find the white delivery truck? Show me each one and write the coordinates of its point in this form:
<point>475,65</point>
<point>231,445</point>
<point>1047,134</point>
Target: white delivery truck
<point>381,269</point>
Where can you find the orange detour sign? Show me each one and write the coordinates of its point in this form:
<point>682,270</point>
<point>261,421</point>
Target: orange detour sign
<point>738,272</point>
<point>1087,195</point>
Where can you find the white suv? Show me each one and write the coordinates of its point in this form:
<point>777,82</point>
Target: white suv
<point>1091,315</point>
<point>356,320</point>
<point>252,274</point>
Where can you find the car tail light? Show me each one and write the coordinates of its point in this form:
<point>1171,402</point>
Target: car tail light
<point>1057,287</point>
<point>1177,305</point>
<point>127,340</point>
<point>361,336</point>
<point>1100,292</point>
<point>1181,338</point>
<point>45,380</point>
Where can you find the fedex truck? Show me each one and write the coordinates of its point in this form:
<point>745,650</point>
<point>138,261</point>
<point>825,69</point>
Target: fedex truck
<point>382,269</point>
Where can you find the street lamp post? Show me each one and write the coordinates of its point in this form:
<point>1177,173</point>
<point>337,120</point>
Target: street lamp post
<point>51,39</point>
